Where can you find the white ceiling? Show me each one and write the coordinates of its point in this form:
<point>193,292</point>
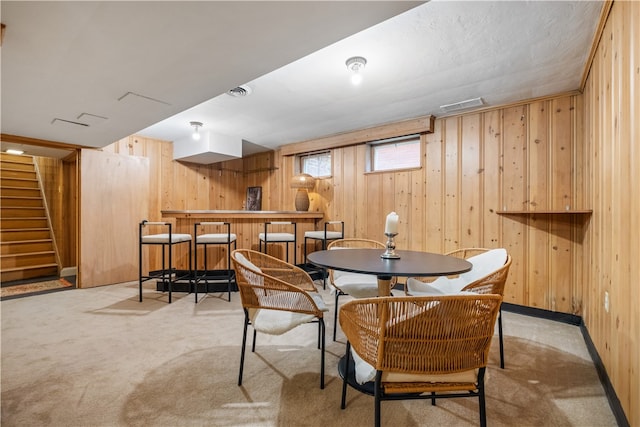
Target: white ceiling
<point>63,59</point>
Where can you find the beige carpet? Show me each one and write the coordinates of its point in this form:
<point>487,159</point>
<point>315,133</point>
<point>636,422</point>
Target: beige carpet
<point>98,357</point>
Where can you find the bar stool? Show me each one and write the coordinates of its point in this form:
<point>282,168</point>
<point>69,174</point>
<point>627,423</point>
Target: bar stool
<point>286,238</point>
<point>169,275</point>
<point>213,239</point>
<point>324,236</point>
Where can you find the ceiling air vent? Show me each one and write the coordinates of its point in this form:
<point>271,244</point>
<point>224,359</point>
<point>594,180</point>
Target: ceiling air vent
<point>240,91</point>
<point>462,105</point>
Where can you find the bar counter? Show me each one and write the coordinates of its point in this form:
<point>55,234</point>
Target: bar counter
<point>246,225</point>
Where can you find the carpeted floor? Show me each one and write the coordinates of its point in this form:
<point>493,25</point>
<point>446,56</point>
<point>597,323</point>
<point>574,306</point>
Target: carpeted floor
<point>98,357</point>
<point>31,288</point>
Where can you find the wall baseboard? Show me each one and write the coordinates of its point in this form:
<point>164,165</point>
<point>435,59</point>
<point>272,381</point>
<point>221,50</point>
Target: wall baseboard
<point>573,319</point>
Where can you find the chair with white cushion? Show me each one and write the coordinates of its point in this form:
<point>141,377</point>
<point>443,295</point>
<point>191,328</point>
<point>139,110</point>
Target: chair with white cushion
<point>355,284</point>
<point>273,233</point>
<point>225,239</point>
<point>418,347</point>
<point>487,276</point>
<point>168,275</point>
<point>329,234</point>
<point>276,297</point>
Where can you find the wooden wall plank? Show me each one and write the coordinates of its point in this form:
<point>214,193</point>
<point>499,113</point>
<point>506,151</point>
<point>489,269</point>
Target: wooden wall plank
<point>470,183</point>
<point>434,189</point>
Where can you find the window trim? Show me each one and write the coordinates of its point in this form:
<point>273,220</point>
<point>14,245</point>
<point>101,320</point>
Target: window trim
<point>300,159</point>
<point>406,138</point>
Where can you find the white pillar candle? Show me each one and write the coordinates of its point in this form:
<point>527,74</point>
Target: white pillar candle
<point>392,224</point>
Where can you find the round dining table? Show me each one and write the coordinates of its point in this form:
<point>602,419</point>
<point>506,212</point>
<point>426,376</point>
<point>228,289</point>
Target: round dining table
<point>409,264</point>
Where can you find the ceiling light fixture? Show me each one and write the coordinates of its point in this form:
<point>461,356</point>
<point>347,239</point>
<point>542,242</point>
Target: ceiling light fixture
<point>356,64</point>
<point>14,151</point>
<point>196,130</point>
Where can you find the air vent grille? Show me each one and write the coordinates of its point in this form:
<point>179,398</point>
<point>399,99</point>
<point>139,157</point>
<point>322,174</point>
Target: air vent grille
<point>240,91</point>
<point>462,105</point>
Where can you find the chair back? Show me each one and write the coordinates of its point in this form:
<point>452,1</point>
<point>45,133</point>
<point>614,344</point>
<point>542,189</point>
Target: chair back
<point>493,283</point>
<point>351,243</point>
<point>268,282</point>
<point>422,335</point>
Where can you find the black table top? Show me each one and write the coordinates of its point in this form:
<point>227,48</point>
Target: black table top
<point>368,261</point>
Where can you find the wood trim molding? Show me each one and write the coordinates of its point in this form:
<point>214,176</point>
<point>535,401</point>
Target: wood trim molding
<point>424,124</point>
<point>604,15</point>
<point>40,142</point>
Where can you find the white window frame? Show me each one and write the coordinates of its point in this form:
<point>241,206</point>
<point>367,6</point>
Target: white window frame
<point>302,158</point>
<point>372,146</point>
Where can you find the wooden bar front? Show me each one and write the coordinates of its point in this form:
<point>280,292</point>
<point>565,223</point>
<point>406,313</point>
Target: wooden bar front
<point>246,225</point>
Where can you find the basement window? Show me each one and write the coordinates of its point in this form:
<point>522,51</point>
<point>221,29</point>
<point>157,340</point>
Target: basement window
<point>394,153</point>
<point>317,165</point>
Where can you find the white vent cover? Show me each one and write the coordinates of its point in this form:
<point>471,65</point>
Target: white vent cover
<point>462,105</point>
<point>240,91</point>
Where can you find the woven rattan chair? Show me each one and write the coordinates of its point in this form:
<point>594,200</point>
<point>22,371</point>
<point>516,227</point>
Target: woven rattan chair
<point>418,347</point>
<point>491,283</point>
<point>354,284</point>
<point>276,297</point>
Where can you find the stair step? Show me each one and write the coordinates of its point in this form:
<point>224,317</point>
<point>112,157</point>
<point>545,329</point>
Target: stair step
<point>13,274</point>
<point>20,192</point>
<point>20,202</point>
<point>27,260</point>
<point>14,158</point>
<point>25,246</point>
<point>17,223</point>
<point>9,212</point>
<point>21,234</point>
<point>18,182</point>
<point>17,173</point>
<point>10,165</point>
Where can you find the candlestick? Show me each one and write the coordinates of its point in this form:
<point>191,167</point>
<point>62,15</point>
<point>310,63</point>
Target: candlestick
<point>390,253</point>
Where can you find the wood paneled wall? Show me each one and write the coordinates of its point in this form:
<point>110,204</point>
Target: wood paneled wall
<point>612,174</point>
<point>526,158</point>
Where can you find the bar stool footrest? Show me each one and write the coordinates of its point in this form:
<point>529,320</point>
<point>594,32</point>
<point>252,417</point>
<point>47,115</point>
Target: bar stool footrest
<point>218,281</point>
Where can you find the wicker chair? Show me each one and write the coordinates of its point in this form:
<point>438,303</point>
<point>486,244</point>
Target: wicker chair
<point>491,283</point>
<point>354,284</point>
<point>276,297</point>
<point>418,347</point>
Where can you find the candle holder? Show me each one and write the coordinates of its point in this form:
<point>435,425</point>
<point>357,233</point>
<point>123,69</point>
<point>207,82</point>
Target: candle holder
<point>390,253</point>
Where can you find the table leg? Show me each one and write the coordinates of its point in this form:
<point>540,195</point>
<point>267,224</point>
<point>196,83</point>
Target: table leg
<point>384,286</point>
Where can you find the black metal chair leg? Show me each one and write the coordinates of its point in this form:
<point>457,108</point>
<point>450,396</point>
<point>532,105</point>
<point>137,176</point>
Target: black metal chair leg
<point>335,316</point>
<point>322,350</point>
<point>500,337</point>
<point>343,400</point>
<point>244,344</point>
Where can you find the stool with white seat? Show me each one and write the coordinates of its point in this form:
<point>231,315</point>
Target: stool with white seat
<point>324,236</point>
<point>278,237</point>
<point>169,275</point>
<point>205,240</point>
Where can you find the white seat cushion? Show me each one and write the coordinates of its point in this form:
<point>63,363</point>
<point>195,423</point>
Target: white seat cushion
<point>277,322</point>
<point>320,235</point>
<point>441,286</point>
<point>216,238</point>
<point>365,373</point>
<point>484,264</point>
<point>245,262</point>
<point>164,238</point>
<point>277,237</point>
<point>357,285</point>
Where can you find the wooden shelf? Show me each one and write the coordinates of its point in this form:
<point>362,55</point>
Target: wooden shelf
<point>548,212</point>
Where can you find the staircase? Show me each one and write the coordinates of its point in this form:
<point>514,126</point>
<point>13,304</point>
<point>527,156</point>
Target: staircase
<point>26,242</point>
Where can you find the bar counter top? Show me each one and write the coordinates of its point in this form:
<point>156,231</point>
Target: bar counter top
<point>221,214</point>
